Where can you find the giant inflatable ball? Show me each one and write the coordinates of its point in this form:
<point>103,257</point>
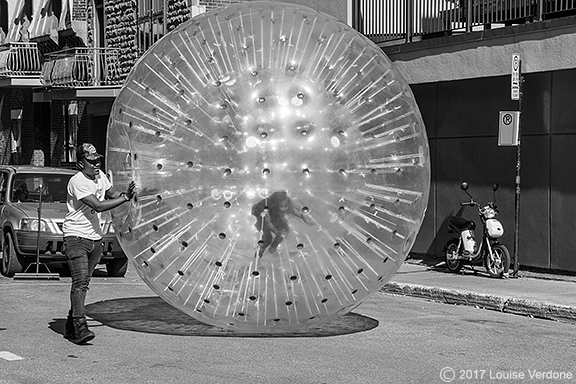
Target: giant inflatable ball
<point>281,163</point>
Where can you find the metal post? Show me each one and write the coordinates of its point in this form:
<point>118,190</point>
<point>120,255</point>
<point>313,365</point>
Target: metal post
<point>356,17</point>
<point>517,199</point>
<point>468,15</point>
<point>66,155</point>
<point>409,20</point>
<point>540,11</point>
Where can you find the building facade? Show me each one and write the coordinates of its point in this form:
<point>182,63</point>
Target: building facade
<point>62,63</point>
<point>461,82</point>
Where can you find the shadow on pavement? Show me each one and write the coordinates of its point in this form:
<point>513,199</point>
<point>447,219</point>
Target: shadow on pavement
<point>153,315</point>
<point>58,326</point>
<point>440,267</point>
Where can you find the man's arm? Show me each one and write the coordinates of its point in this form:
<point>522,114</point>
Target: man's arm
<point>106,205</point>
<point>113,199</point>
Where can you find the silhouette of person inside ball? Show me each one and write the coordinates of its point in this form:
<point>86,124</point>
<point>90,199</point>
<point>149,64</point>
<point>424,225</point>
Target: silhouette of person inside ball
<point>272,220</point>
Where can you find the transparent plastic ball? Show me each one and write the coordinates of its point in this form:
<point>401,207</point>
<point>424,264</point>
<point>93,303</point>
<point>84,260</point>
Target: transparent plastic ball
<point>281,163</point>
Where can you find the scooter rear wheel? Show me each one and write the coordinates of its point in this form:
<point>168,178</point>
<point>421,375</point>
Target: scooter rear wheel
<point>450,256</point>
<point>499,263</point>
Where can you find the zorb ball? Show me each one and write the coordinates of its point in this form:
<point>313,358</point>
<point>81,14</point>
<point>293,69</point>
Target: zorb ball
<point>281,163</point>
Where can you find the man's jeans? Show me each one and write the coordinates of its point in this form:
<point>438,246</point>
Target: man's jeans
<point>83,256</point>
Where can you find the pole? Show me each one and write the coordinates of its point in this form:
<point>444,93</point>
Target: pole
<point>517,199</point>
<point>469,20</point>
<point>39,227</point>
<point>409,20</point>
<point>66,155</point>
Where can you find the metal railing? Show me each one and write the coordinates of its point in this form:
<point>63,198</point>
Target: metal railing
<point>18,59</point>
<point>390,20</point>
<point>81,67</point>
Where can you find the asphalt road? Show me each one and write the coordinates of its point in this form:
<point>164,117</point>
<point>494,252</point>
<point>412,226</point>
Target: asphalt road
<point>388,339</point>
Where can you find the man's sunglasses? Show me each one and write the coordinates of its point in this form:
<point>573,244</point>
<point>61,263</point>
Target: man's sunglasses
<point>94,162</point>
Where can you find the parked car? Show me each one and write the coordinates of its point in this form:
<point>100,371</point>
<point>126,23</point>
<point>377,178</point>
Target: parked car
<point>20,190</point>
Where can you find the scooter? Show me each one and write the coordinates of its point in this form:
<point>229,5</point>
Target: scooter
<point>465,250</point>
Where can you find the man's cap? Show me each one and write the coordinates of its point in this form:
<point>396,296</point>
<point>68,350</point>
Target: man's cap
<point>87,151</point>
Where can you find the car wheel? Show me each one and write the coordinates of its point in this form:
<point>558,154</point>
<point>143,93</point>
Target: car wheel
<point>11,261</point>
<point>117,267</point>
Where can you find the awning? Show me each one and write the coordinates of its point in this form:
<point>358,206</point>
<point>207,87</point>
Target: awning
<point>44,22</point>
<point>65,17</point>
<point>16,22</point>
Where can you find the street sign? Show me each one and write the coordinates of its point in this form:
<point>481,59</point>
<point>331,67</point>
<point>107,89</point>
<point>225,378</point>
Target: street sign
<point>508,128</point>
<point>515,76</point>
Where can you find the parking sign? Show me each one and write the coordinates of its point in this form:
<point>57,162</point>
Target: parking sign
<point>508,128</point>
<point>515,76</point>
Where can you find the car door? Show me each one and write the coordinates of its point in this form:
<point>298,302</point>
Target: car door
<point>3,192</point>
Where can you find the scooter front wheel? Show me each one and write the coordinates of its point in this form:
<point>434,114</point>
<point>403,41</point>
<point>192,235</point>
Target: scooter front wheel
<point>499,262</point>
<point>453,263</point>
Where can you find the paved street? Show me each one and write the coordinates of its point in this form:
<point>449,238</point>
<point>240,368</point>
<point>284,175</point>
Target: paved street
<point>388,339</point>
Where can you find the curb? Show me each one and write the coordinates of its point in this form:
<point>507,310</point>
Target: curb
<point>548,311</point>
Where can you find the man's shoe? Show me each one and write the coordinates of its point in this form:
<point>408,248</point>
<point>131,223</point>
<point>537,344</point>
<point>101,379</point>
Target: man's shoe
<point>69,332</point>
<point>82,334</point>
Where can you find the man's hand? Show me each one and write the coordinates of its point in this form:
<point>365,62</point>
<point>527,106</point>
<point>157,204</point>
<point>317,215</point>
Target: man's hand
<point>130,190</point>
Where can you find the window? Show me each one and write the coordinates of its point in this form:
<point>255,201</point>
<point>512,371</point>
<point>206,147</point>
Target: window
<point>151,22</point>
<point>28,187</point>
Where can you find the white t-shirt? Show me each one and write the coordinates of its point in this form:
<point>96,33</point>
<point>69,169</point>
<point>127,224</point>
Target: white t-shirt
<point>81,220</point>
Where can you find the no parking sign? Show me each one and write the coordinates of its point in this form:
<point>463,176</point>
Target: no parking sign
<point>508,128</point>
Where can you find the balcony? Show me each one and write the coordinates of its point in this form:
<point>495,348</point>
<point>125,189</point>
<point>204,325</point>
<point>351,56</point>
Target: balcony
<point>20,65</point>
<point>82,73</point>
<point>388,22</point>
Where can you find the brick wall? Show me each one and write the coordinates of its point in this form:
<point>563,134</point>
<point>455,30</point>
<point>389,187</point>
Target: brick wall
<point>178,12</point>
<point>120,32</point>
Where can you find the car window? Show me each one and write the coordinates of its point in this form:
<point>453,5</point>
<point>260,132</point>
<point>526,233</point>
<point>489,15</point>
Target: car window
<point>30,187</point>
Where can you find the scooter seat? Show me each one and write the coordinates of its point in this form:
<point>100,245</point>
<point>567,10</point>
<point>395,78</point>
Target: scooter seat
<point>461,224</point>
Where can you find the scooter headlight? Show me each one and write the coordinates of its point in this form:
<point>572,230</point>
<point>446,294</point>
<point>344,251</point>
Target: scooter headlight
<point>489,212</point>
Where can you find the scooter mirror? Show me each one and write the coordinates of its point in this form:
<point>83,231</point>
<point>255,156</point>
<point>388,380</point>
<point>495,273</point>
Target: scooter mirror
<point>495,187</point>
<point>464,186</point>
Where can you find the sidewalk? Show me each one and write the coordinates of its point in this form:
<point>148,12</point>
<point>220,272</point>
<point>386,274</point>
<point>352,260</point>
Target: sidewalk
<point>528,295</point>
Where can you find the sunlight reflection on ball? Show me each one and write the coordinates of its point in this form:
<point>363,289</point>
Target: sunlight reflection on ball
<point>281,165</point>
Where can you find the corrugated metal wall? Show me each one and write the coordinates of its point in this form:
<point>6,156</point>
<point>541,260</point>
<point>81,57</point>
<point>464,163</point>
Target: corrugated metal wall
<point>461,118</point>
